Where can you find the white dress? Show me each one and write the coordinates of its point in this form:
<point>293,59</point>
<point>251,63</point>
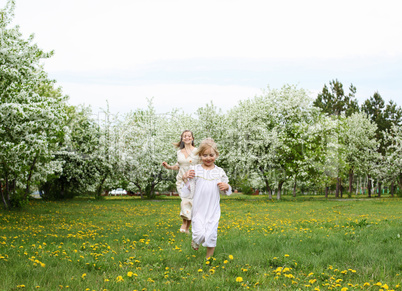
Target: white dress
<point>184,163</point>
<point>206,209</point>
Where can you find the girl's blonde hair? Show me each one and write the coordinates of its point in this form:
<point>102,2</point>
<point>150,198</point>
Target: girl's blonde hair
<point>206,144</point>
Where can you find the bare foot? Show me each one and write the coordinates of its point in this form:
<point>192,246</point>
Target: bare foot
<point>195,246</point>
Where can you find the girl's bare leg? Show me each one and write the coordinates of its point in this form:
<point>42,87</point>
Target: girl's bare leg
<point>183,227</point>
<point>188,223</point>
<point>210,252</point>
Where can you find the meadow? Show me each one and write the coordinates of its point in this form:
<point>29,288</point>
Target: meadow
<point>124,243</point>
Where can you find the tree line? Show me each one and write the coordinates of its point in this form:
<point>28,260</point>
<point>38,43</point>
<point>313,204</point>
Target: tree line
<point>281,139</point>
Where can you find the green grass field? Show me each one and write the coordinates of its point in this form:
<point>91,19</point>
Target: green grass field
<point>133,244</point>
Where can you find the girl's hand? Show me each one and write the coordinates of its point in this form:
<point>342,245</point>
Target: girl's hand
<point>223,186</point>
<point>190,174</point>
<point>166,165</point>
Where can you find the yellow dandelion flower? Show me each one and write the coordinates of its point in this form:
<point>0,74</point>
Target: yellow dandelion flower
<point>130,274</point>
<point>83,276</point>
<point>378,284</point>
<point>366,284</point>
<point>344,289</point>
<point>199,270</point>
<point>119,279</point>
<point>225,261</point>
<point>312,281</point>
<point>239,279</point>
<point>278,270</point>
<point>231,257</point>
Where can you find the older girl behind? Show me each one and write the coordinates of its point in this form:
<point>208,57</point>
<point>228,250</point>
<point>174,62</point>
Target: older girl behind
<point>185,158</point>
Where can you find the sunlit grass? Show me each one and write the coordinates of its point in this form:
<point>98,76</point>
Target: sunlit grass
<point>133,244</point>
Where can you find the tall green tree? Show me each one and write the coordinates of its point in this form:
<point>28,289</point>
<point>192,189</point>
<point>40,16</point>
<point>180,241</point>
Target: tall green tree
<point>334,101</point>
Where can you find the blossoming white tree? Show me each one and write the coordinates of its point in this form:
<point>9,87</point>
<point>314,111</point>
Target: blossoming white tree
<point>143,140</point>
<point>359,137</point>
<point>30,124</point>
<point>268,135</point>
<point>393,160</point>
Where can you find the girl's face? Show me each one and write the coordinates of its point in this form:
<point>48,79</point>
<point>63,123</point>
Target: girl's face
<point>208,157</point>
<point>187,137</point>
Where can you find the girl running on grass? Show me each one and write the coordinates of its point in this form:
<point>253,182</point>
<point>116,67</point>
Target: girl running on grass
<point>204,183</point>
<point>185,158</point>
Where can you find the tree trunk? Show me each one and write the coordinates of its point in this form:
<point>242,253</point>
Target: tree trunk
<point>326,191</point>
<point>278,196</point>
<point>337,187</point>
<point>3,196</point>
<point>100,188</point>
<point>350,181</point>
<point>392,189</point>
<point>269,190</point>
<point>139,189</point>
<point>379,189</point>
<point>369,186</point>
<point>294,189</point>
<point>341,188</point>
<point>29,177</point>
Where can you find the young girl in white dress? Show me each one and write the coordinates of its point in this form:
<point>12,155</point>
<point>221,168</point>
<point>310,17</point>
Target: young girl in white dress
<point>185,158</point>
<point>204,184</point>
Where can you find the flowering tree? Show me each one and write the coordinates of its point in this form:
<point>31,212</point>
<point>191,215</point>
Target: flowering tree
<point>143,140</point>
<point>267,135</point>
<point>393,161</point>
<point>359,137</point>
<point>31,124</point>
<point>84,157</point>
<point>326,159</point>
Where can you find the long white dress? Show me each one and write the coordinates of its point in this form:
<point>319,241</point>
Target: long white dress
<point>184,163</point>
<point>206,208</point>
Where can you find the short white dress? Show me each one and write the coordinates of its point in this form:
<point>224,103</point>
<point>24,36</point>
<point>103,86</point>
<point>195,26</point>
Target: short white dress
<point>184,163</point>
<point>206,208</point>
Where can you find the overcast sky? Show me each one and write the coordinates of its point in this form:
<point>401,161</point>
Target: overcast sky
<point>186,53</point>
